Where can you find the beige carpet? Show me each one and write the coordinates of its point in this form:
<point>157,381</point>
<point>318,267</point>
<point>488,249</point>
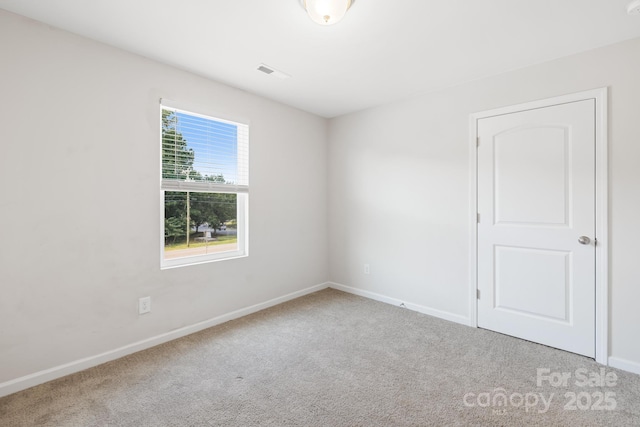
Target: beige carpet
<point>334,359</point>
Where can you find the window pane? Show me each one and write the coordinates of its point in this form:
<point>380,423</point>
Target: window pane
<point>210,218</point>
<point>196,148</point>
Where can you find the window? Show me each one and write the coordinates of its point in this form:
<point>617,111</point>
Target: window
<point>205,187</point>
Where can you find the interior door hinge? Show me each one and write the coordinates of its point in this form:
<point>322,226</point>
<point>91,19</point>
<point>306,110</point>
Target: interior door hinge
<point>478,293</point>
<point>478,141</point>
<point>478,218</point>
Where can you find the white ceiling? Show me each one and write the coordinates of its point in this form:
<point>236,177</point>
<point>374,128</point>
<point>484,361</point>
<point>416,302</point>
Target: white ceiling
<point>382,51</point>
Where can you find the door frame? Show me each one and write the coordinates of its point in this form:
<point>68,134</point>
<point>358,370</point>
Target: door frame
<point>600,96</point>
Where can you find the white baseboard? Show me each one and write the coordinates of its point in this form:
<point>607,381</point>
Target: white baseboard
<point>46,375</point>
<point>625,365</point>
<point>452,317</point>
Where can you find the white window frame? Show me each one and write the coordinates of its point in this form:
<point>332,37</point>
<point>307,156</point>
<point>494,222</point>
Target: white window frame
<point>240,190</point>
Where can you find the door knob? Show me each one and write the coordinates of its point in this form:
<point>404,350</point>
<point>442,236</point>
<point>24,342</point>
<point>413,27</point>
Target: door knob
<point>584,240</point>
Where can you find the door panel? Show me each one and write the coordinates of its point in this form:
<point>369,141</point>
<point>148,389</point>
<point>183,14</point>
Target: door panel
<point>539,287</point>
<point>536,197</point>
<point>519,155</point>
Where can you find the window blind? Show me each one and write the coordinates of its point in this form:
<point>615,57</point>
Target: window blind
<point>201,153</point>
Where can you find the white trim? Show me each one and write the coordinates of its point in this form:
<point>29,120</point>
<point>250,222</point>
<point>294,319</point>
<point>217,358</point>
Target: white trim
<point>31,380</point>
<point>202,111</point>
<point>597,94</point>
<point>625,365</point>
<point>602,206</point>
<point>473,222</point>
<point>201,259</point>
<point>452,317</point>
<point>602,225</point>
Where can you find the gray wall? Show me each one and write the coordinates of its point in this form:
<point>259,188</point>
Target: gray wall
<point>80,206</point>
<point>399,187</point>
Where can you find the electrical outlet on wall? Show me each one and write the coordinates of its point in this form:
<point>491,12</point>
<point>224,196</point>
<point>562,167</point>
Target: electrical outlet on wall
<point>366,269</point>
<point>144,305</point>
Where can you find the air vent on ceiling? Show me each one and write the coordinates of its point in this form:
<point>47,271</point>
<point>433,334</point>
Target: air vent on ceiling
<point>634,7</point>
<point>272,71</point>
<point>265,69</point>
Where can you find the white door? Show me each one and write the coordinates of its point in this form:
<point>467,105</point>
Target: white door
<point>536,244</point>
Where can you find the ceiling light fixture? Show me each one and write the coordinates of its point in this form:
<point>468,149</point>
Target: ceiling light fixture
<point>326,12</point>
<point>634,7</point>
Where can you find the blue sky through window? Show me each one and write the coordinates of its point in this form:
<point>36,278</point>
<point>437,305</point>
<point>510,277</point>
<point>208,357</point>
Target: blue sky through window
<point>214,143</point>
